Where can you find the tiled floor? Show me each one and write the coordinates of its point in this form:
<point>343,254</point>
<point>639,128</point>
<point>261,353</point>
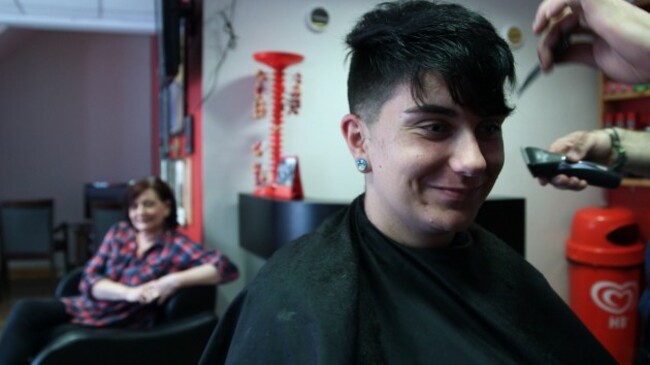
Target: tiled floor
<point>25,288</point>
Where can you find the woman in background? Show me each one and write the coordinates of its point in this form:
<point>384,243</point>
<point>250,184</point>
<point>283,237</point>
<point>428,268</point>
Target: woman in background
<point>138,266</point>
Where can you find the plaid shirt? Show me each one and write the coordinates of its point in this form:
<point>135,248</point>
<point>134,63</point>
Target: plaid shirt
<point>116,260</point>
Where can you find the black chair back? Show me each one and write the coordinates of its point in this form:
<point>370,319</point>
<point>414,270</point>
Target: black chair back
<point>103,215</point>
<point>27,232</point>
<point>27,228</point>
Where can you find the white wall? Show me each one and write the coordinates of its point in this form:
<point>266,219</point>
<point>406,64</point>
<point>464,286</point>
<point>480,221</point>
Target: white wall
<point>74,107</point>
<point>561,102</point>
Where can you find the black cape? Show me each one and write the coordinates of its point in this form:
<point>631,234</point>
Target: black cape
<point>322,300</point>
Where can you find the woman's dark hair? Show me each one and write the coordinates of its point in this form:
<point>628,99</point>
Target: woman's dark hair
<point>163,191</point>
<point>406,41</point>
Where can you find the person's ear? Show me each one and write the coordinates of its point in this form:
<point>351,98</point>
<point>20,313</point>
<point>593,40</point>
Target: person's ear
<point>168,205</point>
<point>354,133</point>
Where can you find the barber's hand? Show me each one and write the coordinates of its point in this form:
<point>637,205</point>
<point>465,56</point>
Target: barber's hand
<point>564,182</point>
<point>581,145</point>
<point>620,44</point>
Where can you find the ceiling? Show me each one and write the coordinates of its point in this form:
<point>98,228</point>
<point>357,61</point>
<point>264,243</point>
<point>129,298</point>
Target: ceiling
<point>121,16</point>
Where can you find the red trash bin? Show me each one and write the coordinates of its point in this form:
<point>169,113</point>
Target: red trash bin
<point>606,255</point>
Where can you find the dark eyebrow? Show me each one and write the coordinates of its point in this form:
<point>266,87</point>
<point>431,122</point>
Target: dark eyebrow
<point>443,110</point>
<point>432,109</point>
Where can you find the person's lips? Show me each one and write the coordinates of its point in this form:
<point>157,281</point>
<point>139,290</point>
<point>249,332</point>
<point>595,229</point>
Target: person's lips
<point>459,192</point>
<point>141,221</point>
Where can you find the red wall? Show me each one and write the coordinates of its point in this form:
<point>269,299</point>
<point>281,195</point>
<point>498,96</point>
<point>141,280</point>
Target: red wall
<point>193,94</point>
<point>194,98</point>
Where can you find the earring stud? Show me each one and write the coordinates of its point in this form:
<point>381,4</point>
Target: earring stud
<point>362,165</point>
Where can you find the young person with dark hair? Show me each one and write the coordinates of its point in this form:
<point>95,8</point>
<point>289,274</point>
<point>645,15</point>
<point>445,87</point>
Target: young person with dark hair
<point>403,275</point>
<point>138,266</point>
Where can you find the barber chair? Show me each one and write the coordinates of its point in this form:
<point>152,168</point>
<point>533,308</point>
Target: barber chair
<point>189,318</point>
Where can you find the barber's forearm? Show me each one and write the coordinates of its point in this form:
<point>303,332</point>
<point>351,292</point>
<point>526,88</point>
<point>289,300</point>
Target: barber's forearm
<point>637,149</point>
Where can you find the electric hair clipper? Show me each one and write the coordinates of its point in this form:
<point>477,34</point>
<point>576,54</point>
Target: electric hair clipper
<point>542,163</point>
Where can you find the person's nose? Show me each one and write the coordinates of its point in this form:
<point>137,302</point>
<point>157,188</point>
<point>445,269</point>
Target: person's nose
<point>467,158</point>
<point>139,209</point>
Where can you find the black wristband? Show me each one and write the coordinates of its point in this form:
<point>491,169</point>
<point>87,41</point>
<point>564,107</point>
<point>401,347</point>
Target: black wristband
<point>621,156</point>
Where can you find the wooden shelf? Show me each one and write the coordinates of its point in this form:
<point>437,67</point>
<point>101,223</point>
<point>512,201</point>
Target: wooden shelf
<point>626,95</point>
<point>636,182</point>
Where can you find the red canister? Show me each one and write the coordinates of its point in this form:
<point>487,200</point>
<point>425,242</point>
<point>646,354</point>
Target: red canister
<point>606,255</point>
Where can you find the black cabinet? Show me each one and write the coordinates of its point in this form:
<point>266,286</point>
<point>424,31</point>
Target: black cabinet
<point>266,224</point>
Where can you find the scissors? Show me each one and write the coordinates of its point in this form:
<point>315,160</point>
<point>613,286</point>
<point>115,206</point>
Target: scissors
<point>558,51</point>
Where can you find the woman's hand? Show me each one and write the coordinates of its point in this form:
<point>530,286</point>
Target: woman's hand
<point>160,289</point>
<point>134,294</point>
<point>165,286</point>
<point>157,290</point>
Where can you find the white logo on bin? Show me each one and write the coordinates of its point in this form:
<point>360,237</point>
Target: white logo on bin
<point>612,297</point>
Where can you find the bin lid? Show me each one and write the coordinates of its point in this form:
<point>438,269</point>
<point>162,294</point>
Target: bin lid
<point>606,236</point>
